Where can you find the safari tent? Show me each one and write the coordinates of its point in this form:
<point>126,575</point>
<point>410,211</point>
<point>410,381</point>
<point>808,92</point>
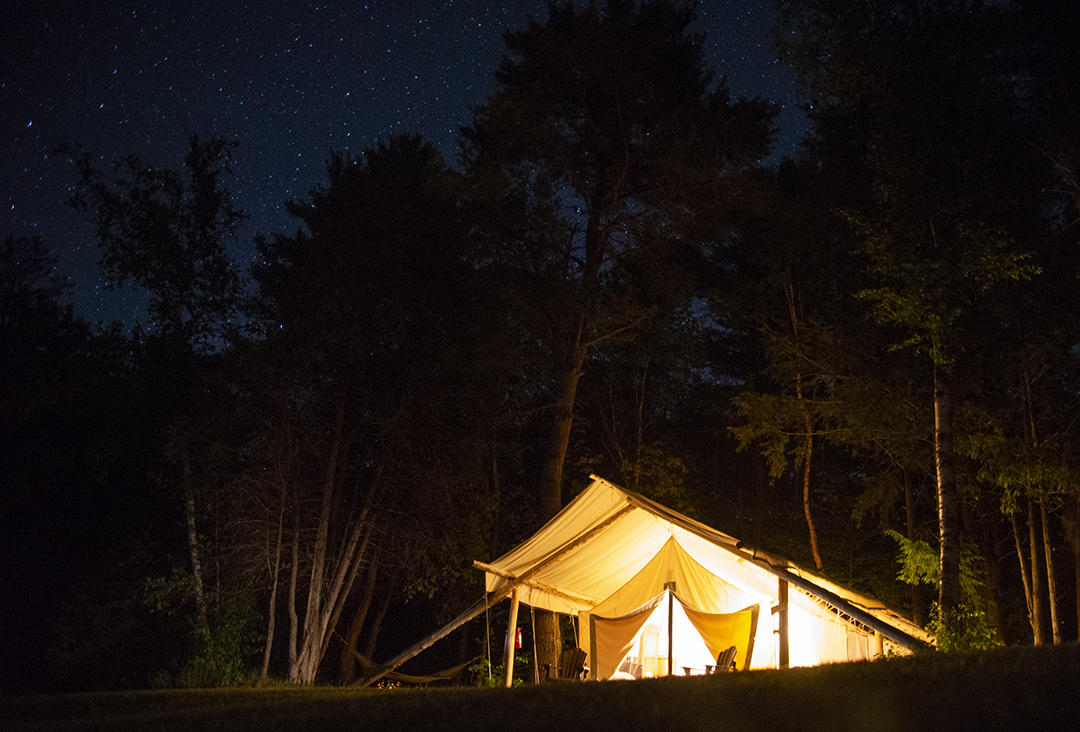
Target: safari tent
<point>657,592</point>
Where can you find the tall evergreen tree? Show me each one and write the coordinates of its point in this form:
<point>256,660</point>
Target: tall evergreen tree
<point>606,140</point>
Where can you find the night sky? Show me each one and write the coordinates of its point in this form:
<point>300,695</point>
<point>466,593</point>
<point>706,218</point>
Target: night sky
<point>290,81</point>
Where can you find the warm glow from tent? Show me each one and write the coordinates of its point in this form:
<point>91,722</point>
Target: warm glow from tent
<point>650,646</point>
<point>802,640</point>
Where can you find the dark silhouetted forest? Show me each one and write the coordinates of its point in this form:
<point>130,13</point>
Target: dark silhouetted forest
<point>864,357</point>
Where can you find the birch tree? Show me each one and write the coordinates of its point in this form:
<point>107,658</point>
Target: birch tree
<point>371,324</point>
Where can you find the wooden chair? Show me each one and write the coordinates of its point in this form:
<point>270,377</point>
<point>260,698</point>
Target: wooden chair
<point>726,660</point>
<point>571,666</point>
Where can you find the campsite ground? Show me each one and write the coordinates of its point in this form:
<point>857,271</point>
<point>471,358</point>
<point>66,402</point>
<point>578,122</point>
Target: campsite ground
<point>1009,689</point>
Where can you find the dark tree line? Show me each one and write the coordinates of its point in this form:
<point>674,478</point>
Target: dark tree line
<point>865,353</point>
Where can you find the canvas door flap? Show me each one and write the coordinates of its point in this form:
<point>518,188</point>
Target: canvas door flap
<point>720,631</point>
<point>611,638</point>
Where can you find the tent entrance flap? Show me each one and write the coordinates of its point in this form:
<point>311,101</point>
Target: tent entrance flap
<point>610,639</point>
<point>659,638</point>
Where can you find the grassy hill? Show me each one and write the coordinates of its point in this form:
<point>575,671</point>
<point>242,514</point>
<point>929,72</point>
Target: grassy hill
<point>1015,689</point>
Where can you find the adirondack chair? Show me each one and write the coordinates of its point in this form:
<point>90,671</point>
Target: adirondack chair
<point>571,666</point>
<point>726,660</point>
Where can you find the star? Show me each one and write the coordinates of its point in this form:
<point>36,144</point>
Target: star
<point>272,80</point>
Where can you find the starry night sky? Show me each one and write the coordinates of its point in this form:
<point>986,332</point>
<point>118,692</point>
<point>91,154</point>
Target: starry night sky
<point>290,81</point>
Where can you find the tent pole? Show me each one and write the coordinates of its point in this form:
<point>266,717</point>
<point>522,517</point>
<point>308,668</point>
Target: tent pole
<point>670,634</point>
<point>535,665</point>
<point>511,637</point>
<point>781,611</point>
<point>670,587</point>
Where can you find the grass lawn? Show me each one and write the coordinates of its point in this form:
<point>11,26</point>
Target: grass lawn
<point>1015,689</point>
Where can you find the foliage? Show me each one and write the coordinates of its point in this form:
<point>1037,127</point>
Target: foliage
<point>920,564</point>
<point>926,296</point>
<point>222,657</point>
<point>42,344</point>
<point>226,657</point>
<point>107,637</point>
<point>1016,466</point>
<point>487,676</point>
<point>660,476</point>
<point>167,231</point>
<point>170,594</point>
<point>772,421</point>
<point>970,629</point>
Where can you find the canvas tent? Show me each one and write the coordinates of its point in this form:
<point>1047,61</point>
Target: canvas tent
<point>611,557</point>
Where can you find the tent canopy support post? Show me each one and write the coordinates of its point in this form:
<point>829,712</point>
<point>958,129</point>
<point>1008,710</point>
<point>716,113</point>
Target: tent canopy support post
<point>781,611</point>
<point>511,637</point>
<point>670,587</point>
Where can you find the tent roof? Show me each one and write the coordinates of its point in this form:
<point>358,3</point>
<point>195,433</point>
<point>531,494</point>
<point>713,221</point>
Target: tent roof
<point>603,538</point>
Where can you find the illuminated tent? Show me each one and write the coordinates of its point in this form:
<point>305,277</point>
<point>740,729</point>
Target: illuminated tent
<point>612,557</point>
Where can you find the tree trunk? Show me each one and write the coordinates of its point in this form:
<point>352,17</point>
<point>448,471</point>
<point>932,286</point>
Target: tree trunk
<point>202,614</point>
<point>808,423</point>
<point>271,618</point>
<point>348,660</point>
<point>1074,539</point>
<point>275,574</point>
<point>1051,582</point>
<point>551,473</point>
<point>1051,585</point>
<point>317,632</point>
<point>303,671</point>
<point>1025,576</point>
<point>294,572</point>
<point>350,560</point>
<point>806,483</point>
<point>948,515</point>
<point>549,640</point>
<point>1036,594</point>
